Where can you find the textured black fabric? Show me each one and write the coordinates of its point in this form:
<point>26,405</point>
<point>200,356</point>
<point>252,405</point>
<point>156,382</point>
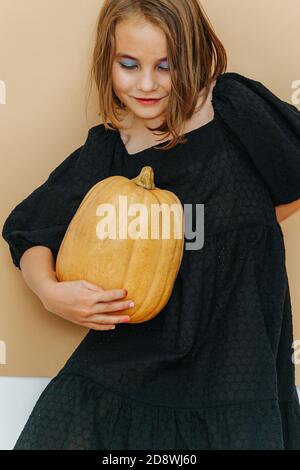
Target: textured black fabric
<point>214,369</point>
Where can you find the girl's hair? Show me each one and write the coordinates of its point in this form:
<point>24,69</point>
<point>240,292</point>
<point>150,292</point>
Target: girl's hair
<point>196,58</point>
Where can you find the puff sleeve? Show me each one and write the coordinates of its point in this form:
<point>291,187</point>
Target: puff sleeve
<point>266,127</point>
<point>42,217</point>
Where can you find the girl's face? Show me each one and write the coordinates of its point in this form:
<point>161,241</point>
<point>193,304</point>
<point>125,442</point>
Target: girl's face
<point>141,69</point>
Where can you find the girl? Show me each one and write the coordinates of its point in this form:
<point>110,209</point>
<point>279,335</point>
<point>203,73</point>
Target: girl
<point>214,369</point>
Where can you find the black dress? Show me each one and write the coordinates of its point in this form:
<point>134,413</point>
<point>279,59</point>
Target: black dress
<point>214,370</point>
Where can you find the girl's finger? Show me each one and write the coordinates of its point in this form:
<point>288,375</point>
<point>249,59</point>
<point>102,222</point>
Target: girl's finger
<point>109,295</point>
<point>107,319</point>
<point>98,326</point>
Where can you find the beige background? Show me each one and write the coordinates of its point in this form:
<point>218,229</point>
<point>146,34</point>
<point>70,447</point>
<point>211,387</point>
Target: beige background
<point>45,50</point>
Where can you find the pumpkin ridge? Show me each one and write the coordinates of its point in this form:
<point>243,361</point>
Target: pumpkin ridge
<point>130,256</point>
<point>157,257</point>
<point>169,272</point>
<point>158,251</point>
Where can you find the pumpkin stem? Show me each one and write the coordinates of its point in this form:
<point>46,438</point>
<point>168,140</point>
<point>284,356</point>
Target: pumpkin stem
<point>145,178</point>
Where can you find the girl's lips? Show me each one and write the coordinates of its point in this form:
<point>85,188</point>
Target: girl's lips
<point>147,101</point>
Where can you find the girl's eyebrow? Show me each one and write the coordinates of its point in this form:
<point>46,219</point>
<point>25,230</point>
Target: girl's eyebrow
<point>121,54</point>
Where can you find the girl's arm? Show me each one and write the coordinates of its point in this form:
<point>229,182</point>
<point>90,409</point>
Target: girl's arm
<point>37,266</point>
<point>285,210</point>
<point>80,302</point>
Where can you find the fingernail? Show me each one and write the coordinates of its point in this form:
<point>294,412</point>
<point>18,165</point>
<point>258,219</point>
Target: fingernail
<point>126,319</point>
<point>131,304</point>
<point>112,327</point>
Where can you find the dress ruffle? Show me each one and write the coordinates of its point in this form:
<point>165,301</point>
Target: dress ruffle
<point>77,413</point>
<point>290,416</point>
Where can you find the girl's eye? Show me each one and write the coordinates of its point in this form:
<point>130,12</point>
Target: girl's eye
<point>131,67</point>
<point>165,69</point>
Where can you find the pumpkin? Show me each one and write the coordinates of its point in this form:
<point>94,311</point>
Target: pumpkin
<point>147,265</point>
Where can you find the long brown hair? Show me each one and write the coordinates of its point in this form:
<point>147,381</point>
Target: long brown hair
<point>196,58</point>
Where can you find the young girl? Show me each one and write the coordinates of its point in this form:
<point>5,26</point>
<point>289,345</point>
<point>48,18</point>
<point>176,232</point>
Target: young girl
<point>214,369</point>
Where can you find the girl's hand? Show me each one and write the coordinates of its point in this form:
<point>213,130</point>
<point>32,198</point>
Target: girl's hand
<point>84,303</point>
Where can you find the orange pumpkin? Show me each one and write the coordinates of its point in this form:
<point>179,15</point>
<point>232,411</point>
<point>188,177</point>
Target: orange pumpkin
<point>120,257</point>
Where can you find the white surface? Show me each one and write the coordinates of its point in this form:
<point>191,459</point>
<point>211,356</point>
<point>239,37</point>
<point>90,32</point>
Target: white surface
<point>18,396</point>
